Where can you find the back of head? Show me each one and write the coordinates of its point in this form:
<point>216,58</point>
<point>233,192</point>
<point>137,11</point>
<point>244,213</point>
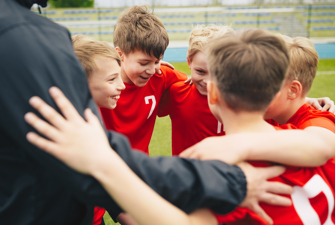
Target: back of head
<point>202,35</point>
<point>139,29</point>
<point>87,49</point>
<point>248,68</point>
<point>303,61</point>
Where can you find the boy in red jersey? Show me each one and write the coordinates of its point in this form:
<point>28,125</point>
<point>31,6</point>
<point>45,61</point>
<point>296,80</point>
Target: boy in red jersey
<point>180,98</point>
<point>102,66</point>
<point>289,106</point>
<point>237,97</point>
<point>254,46</point>
<point>140,39</point>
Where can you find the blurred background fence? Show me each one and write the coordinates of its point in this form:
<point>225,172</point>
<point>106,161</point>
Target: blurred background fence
<point>315,20</point>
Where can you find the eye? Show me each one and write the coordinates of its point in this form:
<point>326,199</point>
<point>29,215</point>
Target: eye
<point>200,71</point>
<point>143,64</point>
<point>111,80</point>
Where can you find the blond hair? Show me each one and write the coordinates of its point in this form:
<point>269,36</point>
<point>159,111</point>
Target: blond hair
<point>139,29</point>
<point>87,49</point>
<point>304,61</point>
<point>202,35</point>
<point>248,68</point>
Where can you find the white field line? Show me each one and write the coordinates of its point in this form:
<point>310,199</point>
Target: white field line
<point>325,73</point>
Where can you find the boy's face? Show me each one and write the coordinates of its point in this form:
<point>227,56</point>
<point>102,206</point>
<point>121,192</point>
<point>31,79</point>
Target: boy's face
<point>105,82</point>
<point>138,67</point>
<point>278,106</point>
<point>199,71</point>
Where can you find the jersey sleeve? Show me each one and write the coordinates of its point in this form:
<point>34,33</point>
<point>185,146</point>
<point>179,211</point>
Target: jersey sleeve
<point>319,122</point>
<point>172,76</point>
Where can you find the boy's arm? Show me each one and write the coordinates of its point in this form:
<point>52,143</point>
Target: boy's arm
<point>308,148</point>
<point>186,183</point>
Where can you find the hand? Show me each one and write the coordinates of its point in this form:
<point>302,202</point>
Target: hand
<point>323,104</point>
<point>261,190</point>
<point>189,80</point>
<point>165,64</point>
<point>77,143</point>
<point>222,148</point>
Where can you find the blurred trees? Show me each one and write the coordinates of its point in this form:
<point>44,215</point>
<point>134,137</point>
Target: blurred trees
<point>72,3</point>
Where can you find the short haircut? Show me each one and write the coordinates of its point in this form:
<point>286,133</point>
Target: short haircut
<point>248,67</point>
<point>139,29</point>
<point>87,49</point>
<point>303,61</point>
<point>202,35</point>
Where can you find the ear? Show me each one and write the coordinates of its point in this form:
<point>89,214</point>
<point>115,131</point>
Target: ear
<point>189,62</point>
<point>119,51</point>
<point>294,90</point>
<point>212,93</point>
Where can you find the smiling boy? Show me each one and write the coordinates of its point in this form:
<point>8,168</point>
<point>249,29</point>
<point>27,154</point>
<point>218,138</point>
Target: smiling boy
<point>102,68</point>
<point>140,39</point>
<point>188,128</point>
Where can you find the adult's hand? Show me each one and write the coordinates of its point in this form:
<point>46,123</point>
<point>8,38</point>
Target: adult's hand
<point>261,190</point>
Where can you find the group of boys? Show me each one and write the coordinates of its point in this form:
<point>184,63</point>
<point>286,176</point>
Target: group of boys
<point>239,95</point>
<point>131,88</point>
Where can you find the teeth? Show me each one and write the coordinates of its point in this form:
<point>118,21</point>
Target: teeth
<point>116,97</point>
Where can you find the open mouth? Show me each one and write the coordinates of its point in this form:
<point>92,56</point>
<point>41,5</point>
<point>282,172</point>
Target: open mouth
<point>144,78</point>
<point>116,97</point>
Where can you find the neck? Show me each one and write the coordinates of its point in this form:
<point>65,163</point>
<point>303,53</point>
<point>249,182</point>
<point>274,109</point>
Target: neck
<point>292,107</point>
<point>244,122</point>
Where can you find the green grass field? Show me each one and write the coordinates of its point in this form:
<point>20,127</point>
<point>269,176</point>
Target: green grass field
<point>323,85</point>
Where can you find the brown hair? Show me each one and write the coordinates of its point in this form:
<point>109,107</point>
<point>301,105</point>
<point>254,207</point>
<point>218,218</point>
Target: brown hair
<point>87,48</point>
<point>303,61</point>
<point>139,29</point>
<point>202,35</point>
<point>248,67</point>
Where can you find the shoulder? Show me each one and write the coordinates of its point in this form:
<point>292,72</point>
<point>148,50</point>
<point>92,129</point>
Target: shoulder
<point>167,71</point>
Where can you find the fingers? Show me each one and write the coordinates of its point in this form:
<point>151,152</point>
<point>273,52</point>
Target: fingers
<point>167,64</point>
<point>270,172</point>
<point>273,199</point>
<point>49,113</point>
<point>42,143</point>
<point>328,106</point>
<point>278,188</point>
<point>42,126</point>
<point>316,105</point>
<point>65,106</point>
<point>332,109</point>
<point>91,118</point>
<point>257,209</point>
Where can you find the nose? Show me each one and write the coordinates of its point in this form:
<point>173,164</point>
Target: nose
<point>120,85</point>
<point>151,69</point>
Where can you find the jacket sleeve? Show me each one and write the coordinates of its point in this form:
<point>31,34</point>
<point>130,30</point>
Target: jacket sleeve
<point>188,184</point>
<point>31,62</point>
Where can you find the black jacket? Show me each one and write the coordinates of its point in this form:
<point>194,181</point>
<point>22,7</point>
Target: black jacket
<point>36,188</point>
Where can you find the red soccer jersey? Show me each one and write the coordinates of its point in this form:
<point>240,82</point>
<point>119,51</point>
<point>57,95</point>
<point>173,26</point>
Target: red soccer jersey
<point>98,215</point>
<point>307,116</point>
<point>136,110</point>
<point>190,116</point>
<point>312,199</point>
